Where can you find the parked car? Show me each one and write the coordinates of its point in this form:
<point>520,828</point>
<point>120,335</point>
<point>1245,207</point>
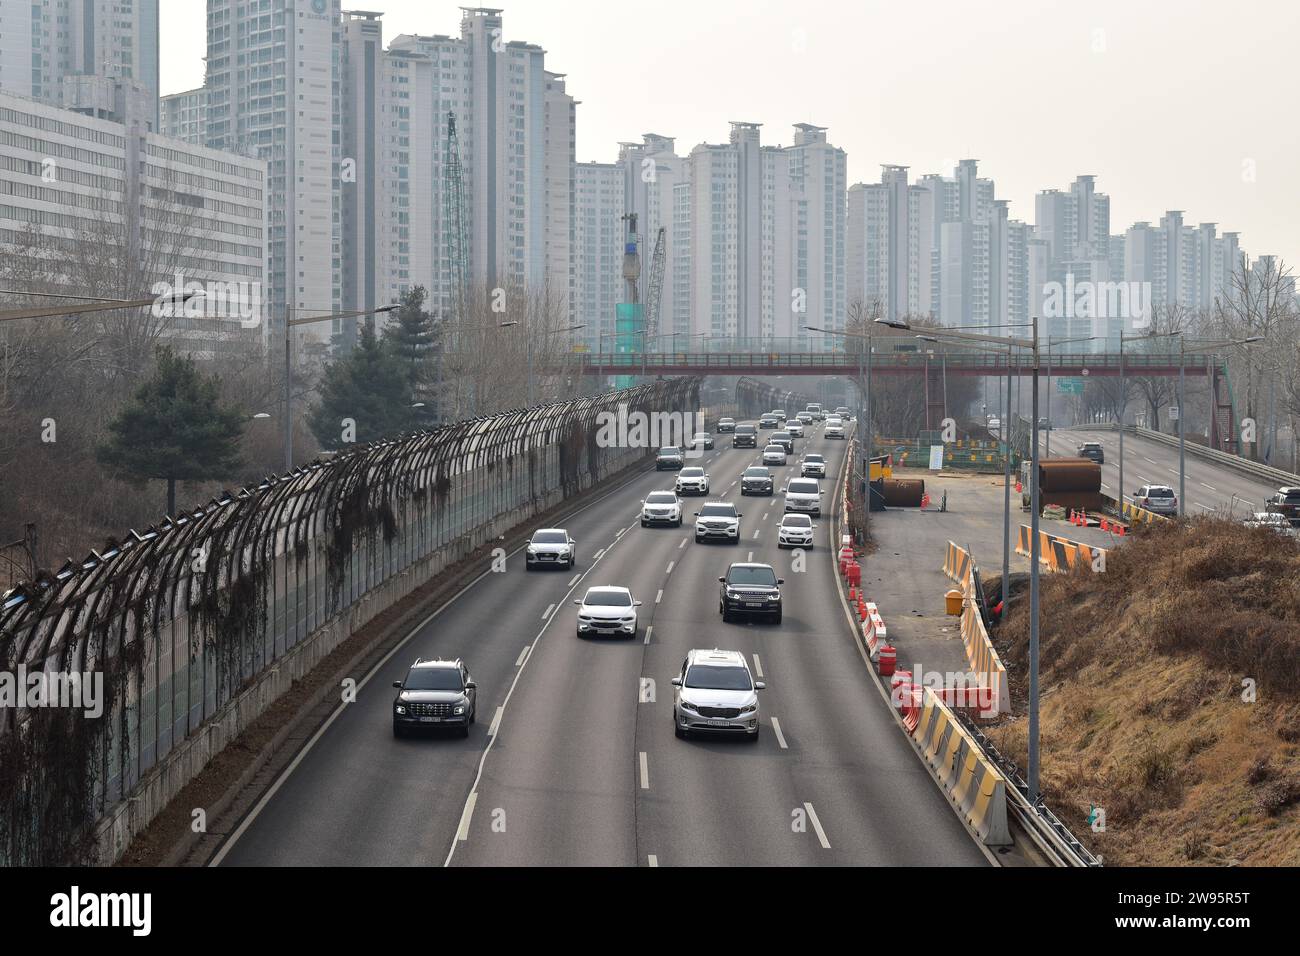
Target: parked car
<point>1286,503</point>
<point>1093,450</point>
<point>746,436</point>
<point>795,531</point>
<point>550,547</point>
<point>717,520</point>
<point>726,424</point>
<point>435,693</point>
<point>714,692</point>
<point>750,589</point>
<point>661,507</point>
<point>813,466</point>
<point>670,458</point>
<point>756,480</point>
<point>1158,499</point>
<point>692,481</point>
<point>607,610</point>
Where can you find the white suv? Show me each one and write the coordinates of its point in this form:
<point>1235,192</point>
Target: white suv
<point>692,481</point>
<point>717,519</point>
<point>794,427</point>
<point>716,693</point>
<point>607,610</point>
<point>803,494</point>
<point>661,507</point>
<point>795,531</point>
<point>834,428</point>
<point>813,466</point>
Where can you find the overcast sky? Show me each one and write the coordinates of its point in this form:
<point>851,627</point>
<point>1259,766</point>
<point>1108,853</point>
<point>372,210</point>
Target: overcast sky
<point>1189,105</point>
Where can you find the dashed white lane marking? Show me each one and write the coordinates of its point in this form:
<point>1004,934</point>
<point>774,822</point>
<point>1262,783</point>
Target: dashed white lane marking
<point>817,825</point>
<point>660,596</point>
<point>645,771</point>
<point>648,631</point>
<point>523,655</point>
<point>758,667</point>
<point>765,514</point>
<point>780,737</point>
<point>576,579</point>
<point>598,554</point>
<point>670,567</point>
<point>1199,505</point>
<point>462,832</point>
<point>1204,485</point>
<point>496,722</point>
<point>732,485</point>
<point>549,608</point>
<point>683,544</point>
<point>756,530</point>
<point>750,557</point>
<point>652,860</point>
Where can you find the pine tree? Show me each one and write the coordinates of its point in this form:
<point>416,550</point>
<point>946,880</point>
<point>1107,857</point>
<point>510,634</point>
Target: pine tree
<point>412,337</point>
<point>174,429</point>
<point>365,396</point>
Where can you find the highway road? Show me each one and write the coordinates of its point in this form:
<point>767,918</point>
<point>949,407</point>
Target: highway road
<point>573,760</point>
<point>1210,487</point>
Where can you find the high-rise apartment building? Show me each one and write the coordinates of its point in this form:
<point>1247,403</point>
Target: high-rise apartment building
<point>184,116</point>
<point>598,230</point>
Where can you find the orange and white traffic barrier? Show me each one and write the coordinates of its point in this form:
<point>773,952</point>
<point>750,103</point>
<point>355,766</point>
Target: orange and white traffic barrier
<point>873,630</point>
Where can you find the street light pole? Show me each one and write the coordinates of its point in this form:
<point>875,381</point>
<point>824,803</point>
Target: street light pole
<point>1006,490</point>
<point>1033,583</point>
<point>1182,450</point>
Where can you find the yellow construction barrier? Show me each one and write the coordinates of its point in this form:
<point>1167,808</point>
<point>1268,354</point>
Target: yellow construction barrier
<point>973,783</point>
<point>1060,554</point>
<point>1134,513</point>
<point>981,654</point>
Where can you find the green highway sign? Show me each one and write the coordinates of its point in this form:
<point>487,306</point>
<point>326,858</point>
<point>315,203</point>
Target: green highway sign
<point>1069,386</point>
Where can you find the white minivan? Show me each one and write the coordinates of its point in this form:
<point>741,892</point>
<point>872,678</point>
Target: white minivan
<point>803,495</point>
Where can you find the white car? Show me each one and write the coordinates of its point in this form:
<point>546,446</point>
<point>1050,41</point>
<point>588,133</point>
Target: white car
<point>803,494</point>
<point>813,466</point>
<point>794,427</point>
<point>661,507</point>
<point>607,610</point>
<point>550,547</point>
<point>714,692</point>
<point>834,428</point>
<point>795,531</point>
<point>1273,520</point>
<point>717,519</point>
<point>692,481</point>
<point>774,455</point>
<point>815,410</point>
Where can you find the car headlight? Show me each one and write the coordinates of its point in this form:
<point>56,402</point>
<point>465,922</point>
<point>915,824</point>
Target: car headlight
<point>749,708</point>
<point>400,709</point>
<point>774,597</point>
<point>687,705</point>
<point>459,709</point>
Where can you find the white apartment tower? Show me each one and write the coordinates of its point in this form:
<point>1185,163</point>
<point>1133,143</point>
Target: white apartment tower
<point>598,231</point>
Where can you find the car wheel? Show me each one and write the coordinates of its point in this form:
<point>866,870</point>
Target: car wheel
<point>679,522</point>
<point>473,714</point>
<point>643,522</point>
<point>776,618</point>
<point>726,616</point>
<point>464,731</point>
<point>753,738</point>
<point>398,731</point>
<point>698,539</point>
<point>677,730</point>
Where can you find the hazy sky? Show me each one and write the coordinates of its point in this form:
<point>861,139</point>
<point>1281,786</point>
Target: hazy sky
<point>1187,105</point>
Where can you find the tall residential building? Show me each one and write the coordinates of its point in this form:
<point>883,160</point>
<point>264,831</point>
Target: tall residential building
<point>184,116</point>
<point>880,243</point>
<point>43,43</point>
<point>81,193</point>
<point>273,85</point>
<point>811,241</point>
<point>598,231</point>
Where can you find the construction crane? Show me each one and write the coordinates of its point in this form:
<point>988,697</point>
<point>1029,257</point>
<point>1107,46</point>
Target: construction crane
<point>655,289</point>
<point>455,224</point>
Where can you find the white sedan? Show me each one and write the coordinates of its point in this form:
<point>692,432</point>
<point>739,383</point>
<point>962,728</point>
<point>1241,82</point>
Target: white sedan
<point>774,455</point>
<point>607,610</point>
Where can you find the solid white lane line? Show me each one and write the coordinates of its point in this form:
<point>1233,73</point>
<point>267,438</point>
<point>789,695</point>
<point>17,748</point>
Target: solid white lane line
<point>645,772</point>
<point>648,631</point>
<point>817,825</point>
<point>549,608</point>
<point>522,655</point>
<point>462,831</point>
<point>758,667</point>
<point>660,596</point>
<point>652,860</point>
<point>576,578</point>
<point>496,723</point>
<point>780,737</point>
<point>670,567</point>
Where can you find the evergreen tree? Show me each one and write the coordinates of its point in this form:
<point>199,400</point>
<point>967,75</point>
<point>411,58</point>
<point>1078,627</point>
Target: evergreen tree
<point>412,337</point>
<point>174,429</point>
<point>364,396</point>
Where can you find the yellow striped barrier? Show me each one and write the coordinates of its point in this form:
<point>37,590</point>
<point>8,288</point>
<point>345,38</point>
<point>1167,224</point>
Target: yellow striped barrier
<point>980,652</point>
<point>976,787</point>
<point>1057,553</point>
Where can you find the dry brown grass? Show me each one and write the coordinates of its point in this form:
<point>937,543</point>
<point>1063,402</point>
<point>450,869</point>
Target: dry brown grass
<point>1145,709</point>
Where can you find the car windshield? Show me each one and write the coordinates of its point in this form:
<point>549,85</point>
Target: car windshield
<point>797,521</point>
<point>815,460</point>
<point>1091,447</point>
<point>701,434</point>
<point>832,421</point>
<point>803,487</point>
<point>757,575</point>
<point>756,472</point>
<point>432,678</point>
<point>1291,496</point>
<point>775,449</point>
<point>718,511</point>
<point>781,435</point>
<point>549,537</point>
<point>661,498</point>
<point>716,677</point>
<point>1160,493</point>
<point>608,599</point>
<point>744,429</point>
<point>691,473</point>
<point>670,450</point>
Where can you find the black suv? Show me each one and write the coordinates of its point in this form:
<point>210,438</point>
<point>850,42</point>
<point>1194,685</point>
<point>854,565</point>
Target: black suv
<point>670,457</point>
<point>756,480</point>
<point>435,694</point>
<point>746,436</point>
<point>750,589</point>
<point>784,439</point>
<point>1093,450</point>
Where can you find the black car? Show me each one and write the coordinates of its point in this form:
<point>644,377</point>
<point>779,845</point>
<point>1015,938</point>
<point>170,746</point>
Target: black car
<point>756,480</point>
<point>726,424</point>
<point>670,458</point>
<point>769,421</point>
<point>784,439</point>
<point>435,694</point>
<point>1093,450</point>
<point>746,436</point>
<point>750,589</point>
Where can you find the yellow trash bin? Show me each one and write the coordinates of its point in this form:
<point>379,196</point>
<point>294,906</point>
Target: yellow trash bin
<point>954,600</point>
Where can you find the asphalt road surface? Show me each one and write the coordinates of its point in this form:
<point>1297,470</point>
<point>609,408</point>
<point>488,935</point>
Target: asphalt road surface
<point>1210,487</point>
<point>573,760</point>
